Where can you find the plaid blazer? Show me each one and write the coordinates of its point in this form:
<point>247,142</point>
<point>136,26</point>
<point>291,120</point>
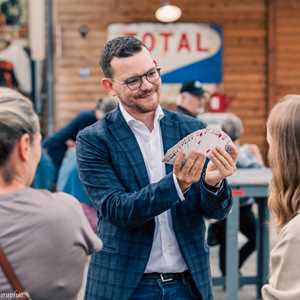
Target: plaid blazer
<point>112,169</point>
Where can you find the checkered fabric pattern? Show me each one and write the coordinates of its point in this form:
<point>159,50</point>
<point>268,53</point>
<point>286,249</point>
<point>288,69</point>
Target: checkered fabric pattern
<point>113,172</point>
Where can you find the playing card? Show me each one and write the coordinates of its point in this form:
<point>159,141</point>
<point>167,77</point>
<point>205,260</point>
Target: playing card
<point>206,141</point>
<point>203,141</point>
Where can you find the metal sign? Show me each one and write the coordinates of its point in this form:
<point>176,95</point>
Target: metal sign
<point>185,51</point>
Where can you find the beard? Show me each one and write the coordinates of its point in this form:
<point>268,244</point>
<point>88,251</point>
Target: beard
<point>151,103</point>
<point>139,101</point>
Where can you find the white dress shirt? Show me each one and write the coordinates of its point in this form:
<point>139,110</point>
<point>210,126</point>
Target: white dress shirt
<point>165,256</point>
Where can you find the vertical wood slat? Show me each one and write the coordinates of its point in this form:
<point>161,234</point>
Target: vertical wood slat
<point>271,53</point>
<point>288,48</point>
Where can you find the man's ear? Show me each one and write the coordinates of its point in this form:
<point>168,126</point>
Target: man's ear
<point>23,147</point>
<point>107,84</point>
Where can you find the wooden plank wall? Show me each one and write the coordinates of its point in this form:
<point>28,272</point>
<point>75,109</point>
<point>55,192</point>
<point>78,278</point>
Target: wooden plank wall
<point>287,76</point>
<point>245,65</point>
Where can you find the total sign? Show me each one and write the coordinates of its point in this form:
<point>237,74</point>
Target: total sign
<point>185,51</point>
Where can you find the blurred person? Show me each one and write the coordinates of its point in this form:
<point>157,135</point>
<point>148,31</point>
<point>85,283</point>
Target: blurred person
<point>147,210</point>
<point>283,136</point>
<point>249,156</point>
<point>45,237</point>
<point>57,144</point>
<point>45,175</point>
<point>68,182</point>
<point>192,99</point>
<point>12,11</point>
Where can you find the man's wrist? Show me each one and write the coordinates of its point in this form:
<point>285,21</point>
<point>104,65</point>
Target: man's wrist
<point>183,186</point>
<point>216,182</point>
<point>214,188</point>
<point>213,183</point>
<point>178,188</point>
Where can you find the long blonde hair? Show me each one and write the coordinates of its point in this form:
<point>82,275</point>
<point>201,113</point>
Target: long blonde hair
<point>283,128</point>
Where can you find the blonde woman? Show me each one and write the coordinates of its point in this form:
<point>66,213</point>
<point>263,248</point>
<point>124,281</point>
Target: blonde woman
<point>45,237</point>
<point>283,135</point>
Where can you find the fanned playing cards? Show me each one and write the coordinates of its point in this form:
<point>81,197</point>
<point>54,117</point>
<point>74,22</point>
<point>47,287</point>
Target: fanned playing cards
<point>203,141</point>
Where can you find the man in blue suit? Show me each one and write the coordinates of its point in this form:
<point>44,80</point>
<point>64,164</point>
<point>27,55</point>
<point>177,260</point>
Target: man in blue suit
<point>151,216</point>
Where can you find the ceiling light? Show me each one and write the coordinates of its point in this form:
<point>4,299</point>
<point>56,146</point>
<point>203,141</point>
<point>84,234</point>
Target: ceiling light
<point>168,13</point>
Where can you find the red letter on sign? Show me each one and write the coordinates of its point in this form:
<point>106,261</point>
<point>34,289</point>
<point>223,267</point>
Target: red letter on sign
<point>149,36</point>
<point>133,34</point>
<point>165,36</point>
<point>184,43</point>
<point>199,48</point>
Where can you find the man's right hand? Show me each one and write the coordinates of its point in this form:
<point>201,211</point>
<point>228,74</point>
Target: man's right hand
<point>188,171</point>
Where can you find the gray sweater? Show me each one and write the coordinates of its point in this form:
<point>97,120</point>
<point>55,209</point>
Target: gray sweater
<point>47,239</point>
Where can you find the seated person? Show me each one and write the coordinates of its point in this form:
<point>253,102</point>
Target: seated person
<point>248,157</point>
<point>57,144</point>
<point>44,236</point>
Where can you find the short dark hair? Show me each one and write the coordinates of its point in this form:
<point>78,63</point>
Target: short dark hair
<point>123,46</point>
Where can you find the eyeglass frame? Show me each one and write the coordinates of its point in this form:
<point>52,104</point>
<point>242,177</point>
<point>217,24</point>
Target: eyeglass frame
<point>140,77</point>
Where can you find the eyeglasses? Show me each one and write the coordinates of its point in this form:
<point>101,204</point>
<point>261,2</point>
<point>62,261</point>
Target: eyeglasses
<point>135,82</point>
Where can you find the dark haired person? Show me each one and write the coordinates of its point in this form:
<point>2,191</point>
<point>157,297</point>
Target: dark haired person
<point>151,215</point>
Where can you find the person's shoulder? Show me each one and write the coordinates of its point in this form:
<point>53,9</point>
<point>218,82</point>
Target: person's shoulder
<point>68,202</point>
<point>289,236</point>
<point>97,129</point>
<point>50,199</point>
<point>63,217</point>
<point>292,229</point>
<point>59,207</point>
<point>185,120</point>
<point>48,203</point>
<point>42,194</point>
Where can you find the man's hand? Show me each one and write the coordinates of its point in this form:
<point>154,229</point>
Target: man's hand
<point>221,165</point>
<point>188,171</point>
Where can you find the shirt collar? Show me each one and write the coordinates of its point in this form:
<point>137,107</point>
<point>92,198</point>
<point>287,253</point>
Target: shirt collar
<point>159,114</point>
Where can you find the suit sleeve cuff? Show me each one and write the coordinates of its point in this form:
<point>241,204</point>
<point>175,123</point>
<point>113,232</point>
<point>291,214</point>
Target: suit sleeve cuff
<point>214,189</point>
<point>178,189</point>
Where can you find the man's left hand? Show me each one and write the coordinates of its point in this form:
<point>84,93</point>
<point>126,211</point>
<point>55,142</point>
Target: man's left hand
<point>221,165</point>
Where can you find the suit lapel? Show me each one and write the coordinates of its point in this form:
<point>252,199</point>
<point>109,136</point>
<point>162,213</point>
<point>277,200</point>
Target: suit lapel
<point>127,141</point>
<point>170,135</point>
<point>125,138</point>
